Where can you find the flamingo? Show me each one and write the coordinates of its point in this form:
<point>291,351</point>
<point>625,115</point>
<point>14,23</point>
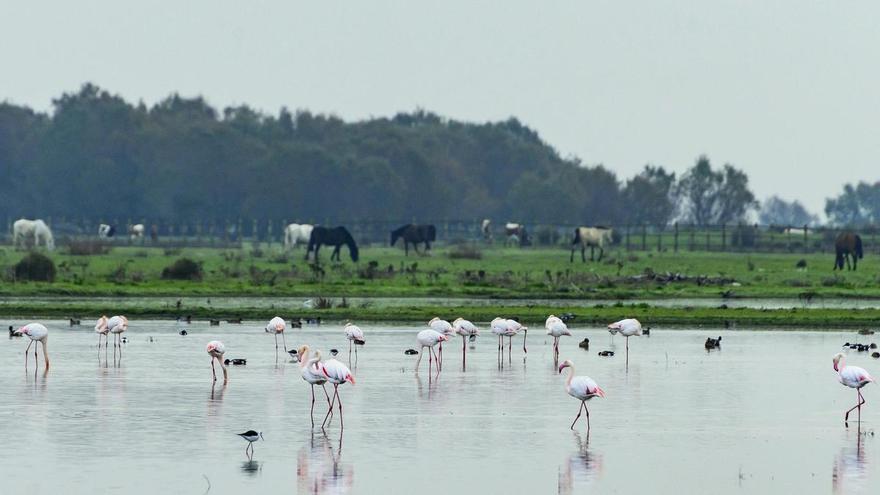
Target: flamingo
<point>116,325</point>
<point>429,338</point>
<point>37,333</point>
<point>337,374</point>
<point>499,328</point>
<point>582,388</point>
<point>275,326</point>
<point>216,349</point>
<point>556,328</point>
<point>313,374</point>
<point>513,328</point>
<point>628,328</point>
<point>853,377</point>
<point>444,327</point>
<point>466,329</point>
<point>101,328</point>
<point>355,336</point>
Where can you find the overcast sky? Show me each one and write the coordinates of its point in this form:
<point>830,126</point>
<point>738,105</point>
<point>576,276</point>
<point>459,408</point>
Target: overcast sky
<point>786,90</point>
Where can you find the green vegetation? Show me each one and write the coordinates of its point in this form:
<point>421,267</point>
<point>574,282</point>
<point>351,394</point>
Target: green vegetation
<point>492,273</point>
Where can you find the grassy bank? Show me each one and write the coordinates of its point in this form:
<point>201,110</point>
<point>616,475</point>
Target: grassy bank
<point>533,315</point>
<point>486,273</point>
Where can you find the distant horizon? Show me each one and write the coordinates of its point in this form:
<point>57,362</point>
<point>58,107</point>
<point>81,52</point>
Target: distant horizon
<point>789,99</point>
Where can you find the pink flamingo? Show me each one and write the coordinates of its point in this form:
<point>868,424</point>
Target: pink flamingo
<point>556,328</point>
<point>628,328</point>
<point>216,349</point>
<point>116,325</point>
<point>37,333</point>
<point>429,338</point>
<point>337,374</point>
<point>467,330</point>
<point>582,388</point>
<point>276,326</point>
<point>355,336</point>
<point>102,329</point>
<point>853,377</point>
<point>313,373</point>
<point>444,327</point>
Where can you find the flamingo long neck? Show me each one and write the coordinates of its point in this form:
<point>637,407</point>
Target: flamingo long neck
<point>841,364</point>
<point>304,359</point>
<point>570,376</point>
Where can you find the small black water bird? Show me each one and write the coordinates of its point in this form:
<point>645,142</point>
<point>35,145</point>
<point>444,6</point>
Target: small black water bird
<point>251,436</point>
<point>646,331</point>
<point>873,345</point>
<point>410,352</point>
<point>333,352</point>
<point>183,332</point>
<point>566,317</point>
<point>875,354</point>
<point>214,323</point>
<point>13,332</point>
<point>296,323</point>
<point>866,331</point>
<point>606,353</point>
<point>237,321</point>
<point>585,344</point>
<point>74,322</point>
<point>235,362</point>
<point>713,343</point>
<point>472,337</point>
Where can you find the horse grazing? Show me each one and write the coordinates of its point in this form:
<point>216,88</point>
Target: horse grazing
<point>336,236</point>
<point>847,245</point>
<point>136,231</point>
<point>295,233</point>
<point>594,237</point>
<point>106,231</point>
<point>486,231</point>
<point>26,231</point>
<point>516,234</point>
<point>414,234</point>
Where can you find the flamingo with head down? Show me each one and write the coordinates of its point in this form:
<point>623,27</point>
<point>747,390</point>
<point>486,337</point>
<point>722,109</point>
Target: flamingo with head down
<point>556,328</point>
<point>37,333</point>
<point>337,374</point>
<point>429,338</point>
<point>444,327</point>
<point>355,336</point>
<point>853,377</point>
<point>312,371</point>
<point>628,328</point>
<point>216,349</point>
<point>467,330</point>
<point>276,326</point>
<point>102,329</point>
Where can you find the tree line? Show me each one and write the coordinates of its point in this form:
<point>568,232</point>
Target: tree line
<point>97,155</point>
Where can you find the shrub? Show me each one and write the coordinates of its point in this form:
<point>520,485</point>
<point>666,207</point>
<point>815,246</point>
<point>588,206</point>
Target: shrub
<point>465,251</point>
<point>87,247</point>
<point>183,269</point>
<point>35,266</point>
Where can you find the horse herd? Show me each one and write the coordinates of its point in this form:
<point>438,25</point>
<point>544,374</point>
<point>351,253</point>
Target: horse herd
<point>36,233</point>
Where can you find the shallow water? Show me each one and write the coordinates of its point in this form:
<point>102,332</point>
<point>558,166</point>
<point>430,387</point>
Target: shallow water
<point>763,414</point>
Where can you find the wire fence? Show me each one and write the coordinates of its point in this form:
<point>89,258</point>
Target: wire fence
<point>232,233</point>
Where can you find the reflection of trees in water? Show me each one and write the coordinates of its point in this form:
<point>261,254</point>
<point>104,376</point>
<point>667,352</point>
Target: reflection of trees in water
<point>580,468</point>
<point>320,469</point>
<point>850,468</point>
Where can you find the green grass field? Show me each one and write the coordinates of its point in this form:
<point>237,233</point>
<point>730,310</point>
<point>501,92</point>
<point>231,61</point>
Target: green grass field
<point>499,273</point>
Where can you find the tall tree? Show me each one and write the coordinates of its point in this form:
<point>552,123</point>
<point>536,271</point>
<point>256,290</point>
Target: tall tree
<point>777,211</point>
<point>648,197</point>
<point>859,205</point>
<point>708,197</point>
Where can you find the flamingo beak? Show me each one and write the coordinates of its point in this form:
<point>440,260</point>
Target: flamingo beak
<point>561,367</point>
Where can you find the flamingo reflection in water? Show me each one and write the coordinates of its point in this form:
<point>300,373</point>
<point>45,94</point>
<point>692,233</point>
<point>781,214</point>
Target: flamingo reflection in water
<point>849,474</point>
<point>580,468</point>
<point>319,467</point>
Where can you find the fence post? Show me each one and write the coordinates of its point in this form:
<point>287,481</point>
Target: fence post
<point>708,233</point>
<point>627,238</point>
<point>692,238</point>
<point>675,238</point>
<point>644,237</point>
<point>723,237</point>
<point>660,240</point>
<point>805,238</point>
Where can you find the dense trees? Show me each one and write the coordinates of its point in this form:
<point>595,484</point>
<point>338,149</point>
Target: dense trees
<point>859,205</point>
<point>99,156</point>
<point>777,211</point>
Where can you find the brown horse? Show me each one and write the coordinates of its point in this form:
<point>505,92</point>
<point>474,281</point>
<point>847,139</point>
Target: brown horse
<point>847,245</point>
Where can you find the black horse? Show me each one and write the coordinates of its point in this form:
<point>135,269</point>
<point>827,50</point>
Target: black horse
<point>847,245</point>
<point>414,234</point>
<point>336,236</point>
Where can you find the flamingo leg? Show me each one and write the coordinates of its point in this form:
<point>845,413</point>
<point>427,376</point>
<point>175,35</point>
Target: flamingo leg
<point>339,404</point>
<point>588,418</point>
<point>213,372</point>
<point>335,393</point>
<point>576,418</point>
<point>324,387</point>
<point>26,353</point>
<point>440,357</point>
<point>525,334</point>
<point>420,358</point>
<point>509,347</point>
<point>858,407</point>
<point>463,352</point>
<point>627,353</point>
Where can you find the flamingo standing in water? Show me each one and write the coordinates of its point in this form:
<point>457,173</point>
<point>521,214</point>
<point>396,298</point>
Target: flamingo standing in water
<point>337,374</point>
<point>102,329</point>
<point>499,328</point>
<point>556,328</point>
<point>853,377</point>
<point>37,333</point>
<point>429,338</point>
<point>313,373</point>
<point>444,327</point>
<point>276,326</point>
<point>116,326</point>
<point>216,349</point>
<point>467,330</point>
<point>355,336</point>
<point>628,328</point>
<point>582,388</point>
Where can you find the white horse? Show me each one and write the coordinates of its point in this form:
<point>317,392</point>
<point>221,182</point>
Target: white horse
<point>798,232</point>
<point>136,231</point>
<point>485,230</point>
<point>296,232</point>
<point>26,231</point>
<point>516,234</point>
<point>594,237</point>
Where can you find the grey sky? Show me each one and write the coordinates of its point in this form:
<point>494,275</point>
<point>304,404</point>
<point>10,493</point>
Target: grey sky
<point>786,90</point>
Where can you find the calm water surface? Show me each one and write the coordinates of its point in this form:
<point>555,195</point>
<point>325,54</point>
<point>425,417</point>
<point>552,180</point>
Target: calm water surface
<point>762,415</point>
